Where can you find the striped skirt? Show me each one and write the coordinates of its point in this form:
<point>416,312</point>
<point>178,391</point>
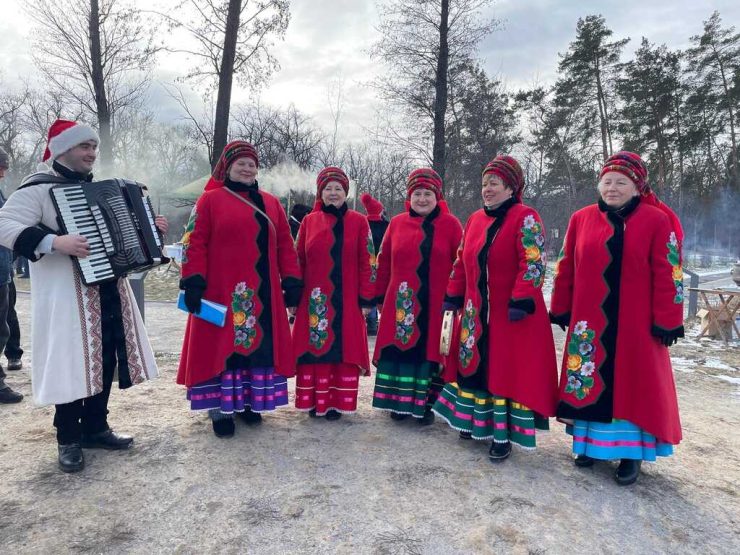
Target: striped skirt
<point>489,417</point>
<point>618,439</point>
<point>257,389</point>
<point>326,387</point>
<point>407,388</point>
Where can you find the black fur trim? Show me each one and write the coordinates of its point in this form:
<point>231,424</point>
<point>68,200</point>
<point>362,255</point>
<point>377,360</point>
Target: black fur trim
<point>27,241</point>
<point>527,305</point>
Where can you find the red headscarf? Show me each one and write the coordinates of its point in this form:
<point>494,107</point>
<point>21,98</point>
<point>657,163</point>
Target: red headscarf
<point>631,165</point>
<point>510,172</point>
<point>232,152</point>
<point>330,173</point>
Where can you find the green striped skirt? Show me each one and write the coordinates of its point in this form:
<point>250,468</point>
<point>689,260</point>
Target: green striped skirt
<point>406,388</point>
<point>489,417</point>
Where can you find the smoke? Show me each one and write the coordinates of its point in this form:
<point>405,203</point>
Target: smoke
<point>286,176</point>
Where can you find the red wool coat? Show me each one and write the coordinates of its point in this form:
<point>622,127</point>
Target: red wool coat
<point>243,260</point>
<point>515,359</point>
<point>618,282</point>
<point>414,266</point>
<point>337,258</point>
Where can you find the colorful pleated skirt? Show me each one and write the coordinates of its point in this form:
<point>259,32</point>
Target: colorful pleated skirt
<point>406,388</point>
<point>256,389</point>
<point>326,387</point>
<point>618,439</point>
<point>489,417</point>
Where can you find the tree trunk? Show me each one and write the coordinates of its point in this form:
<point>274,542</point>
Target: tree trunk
<point>731,119</point>
<point>98,83</point>
<point>225,79</point>
<point>680,157</point>
<point>601,99</point>
<point>440,101</point>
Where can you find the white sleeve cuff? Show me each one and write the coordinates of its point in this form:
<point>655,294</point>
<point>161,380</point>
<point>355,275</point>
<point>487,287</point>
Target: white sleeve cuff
<point>45,245</point>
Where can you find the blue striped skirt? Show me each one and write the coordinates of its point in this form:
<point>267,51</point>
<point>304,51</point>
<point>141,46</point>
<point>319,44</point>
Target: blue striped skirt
<point>618,439</point>
<point>257,389</point>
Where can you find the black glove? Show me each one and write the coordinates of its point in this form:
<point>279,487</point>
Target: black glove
<point>193,297</point>
<point>669,340</point>
<point>667,337</point>
<point>516,314</point>
<point>449,306</point>
<point>194,286</point>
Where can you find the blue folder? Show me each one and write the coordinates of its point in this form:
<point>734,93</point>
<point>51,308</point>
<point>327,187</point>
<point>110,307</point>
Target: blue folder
<point>209,311</point>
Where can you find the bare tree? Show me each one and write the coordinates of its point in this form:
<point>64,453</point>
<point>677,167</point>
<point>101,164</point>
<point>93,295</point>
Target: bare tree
<point>422,42</point>
<point>98,53</point>
<point>233,39</point>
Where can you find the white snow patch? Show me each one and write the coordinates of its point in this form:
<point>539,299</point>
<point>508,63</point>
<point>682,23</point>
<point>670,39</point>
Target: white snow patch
<point>719,365</point>
<point>683,364</point>
<point>730,379</point>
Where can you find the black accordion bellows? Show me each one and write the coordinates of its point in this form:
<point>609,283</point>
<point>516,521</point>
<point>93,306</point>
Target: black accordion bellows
<point>117,219</point>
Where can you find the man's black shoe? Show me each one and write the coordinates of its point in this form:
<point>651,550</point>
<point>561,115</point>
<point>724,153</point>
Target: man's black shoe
<point>397,416</point>
<point>107,439</point>
<point>71,458</point>
<point>8,396</point>
<point>15,364</point>
<point>627,472</point>
<point>499,451</point>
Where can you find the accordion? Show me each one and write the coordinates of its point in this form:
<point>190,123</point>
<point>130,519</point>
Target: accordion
<point>117,219</point>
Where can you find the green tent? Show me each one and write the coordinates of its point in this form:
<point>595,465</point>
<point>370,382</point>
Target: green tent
<point>189,192</point>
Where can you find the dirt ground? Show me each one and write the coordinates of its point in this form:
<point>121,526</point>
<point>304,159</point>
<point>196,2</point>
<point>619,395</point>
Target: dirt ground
<point>363,484</point>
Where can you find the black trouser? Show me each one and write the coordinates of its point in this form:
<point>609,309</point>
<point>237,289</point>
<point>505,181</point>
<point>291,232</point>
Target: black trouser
<point>88,415</point>
<point>13,346</point>
<point>4,331</point>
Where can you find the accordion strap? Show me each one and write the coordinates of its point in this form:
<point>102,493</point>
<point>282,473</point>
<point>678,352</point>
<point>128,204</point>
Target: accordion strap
<point>254,207</point>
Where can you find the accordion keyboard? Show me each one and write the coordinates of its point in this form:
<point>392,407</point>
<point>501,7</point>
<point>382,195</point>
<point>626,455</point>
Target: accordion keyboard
<point>81,219</point>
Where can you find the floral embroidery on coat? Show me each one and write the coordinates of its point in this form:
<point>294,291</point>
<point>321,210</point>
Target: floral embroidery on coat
<point>317,318</point>
<point>373,258</point>
<point>186,236</point>
<point>404,313</point>
<point>533,241</point>
<point>581,367</point>
<point>674,258</point>
<point>467,333</point>
<point>245,322</point>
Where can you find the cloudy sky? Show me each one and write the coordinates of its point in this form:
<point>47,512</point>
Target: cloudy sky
<point>327,40</point>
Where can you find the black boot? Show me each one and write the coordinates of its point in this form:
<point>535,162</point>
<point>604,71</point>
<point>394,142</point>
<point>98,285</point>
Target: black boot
<point>627,472</point>
<point>427,419</point>
<point>499,451</point>
<point>250,417</point>
<point>466,435</point>
<point>332,414</point>
<point>583,461</point>
<point>107,439</point>
<point>71,458</point>
<point>223,427</point>
<point>312,413</point>
<point>397,416</point>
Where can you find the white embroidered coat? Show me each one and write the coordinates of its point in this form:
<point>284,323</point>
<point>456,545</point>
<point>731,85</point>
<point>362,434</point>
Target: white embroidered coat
<point>66,321</point>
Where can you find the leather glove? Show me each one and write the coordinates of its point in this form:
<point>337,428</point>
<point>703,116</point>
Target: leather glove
<point>516,314</point>
<point>668,340</point>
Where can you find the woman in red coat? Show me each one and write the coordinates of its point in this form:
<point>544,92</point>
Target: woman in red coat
<point>619,289</point>
<point>503,373</point>
<point>238,252</point>
<point>336,253</point>
<point>414,265</point>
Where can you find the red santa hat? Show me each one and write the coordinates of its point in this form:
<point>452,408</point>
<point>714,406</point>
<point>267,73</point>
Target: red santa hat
<point>64,135</point>
<point>373,207</point>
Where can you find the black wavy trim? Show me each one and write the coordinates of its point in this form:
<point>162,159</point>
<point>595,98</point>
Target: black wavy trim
<point>334,355</point>
<point>418,353</point>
